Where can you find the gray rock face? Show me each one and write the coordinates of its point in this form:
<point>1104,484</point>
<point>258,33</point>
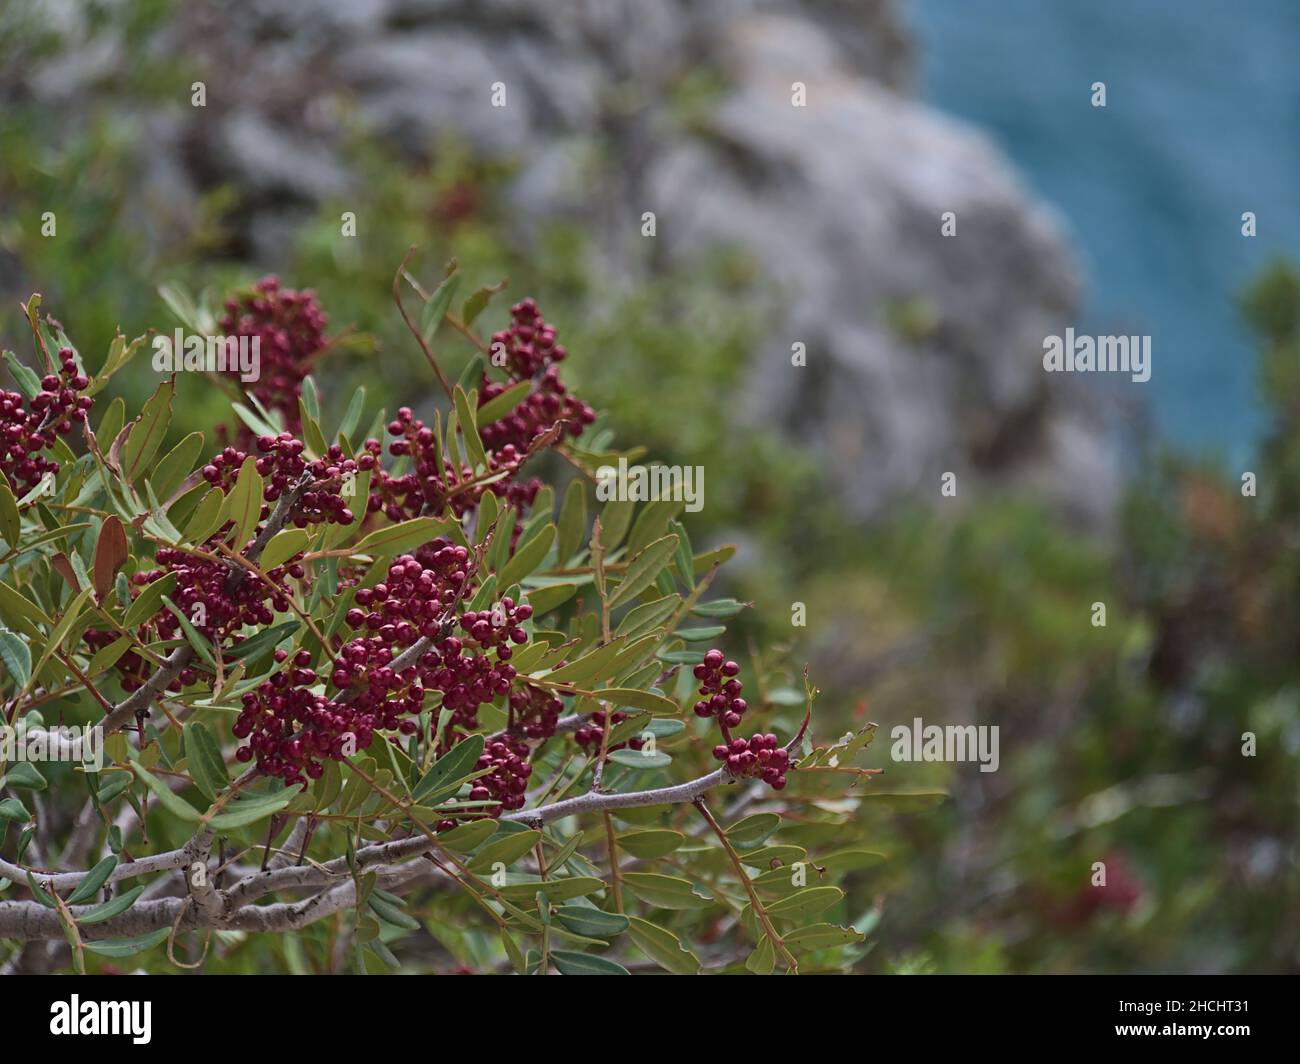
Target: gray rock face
<point>923,350</point>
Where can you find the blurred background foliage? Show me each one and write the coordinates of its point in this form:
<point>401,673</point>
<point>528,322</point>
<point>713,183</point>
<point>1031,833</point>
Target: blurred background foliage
<point>1120,744</point>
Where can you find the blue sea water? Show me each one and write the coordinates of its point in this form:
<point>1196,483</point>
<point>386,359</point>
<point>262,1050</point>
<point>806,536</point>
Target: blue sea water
<point>1202,123</point>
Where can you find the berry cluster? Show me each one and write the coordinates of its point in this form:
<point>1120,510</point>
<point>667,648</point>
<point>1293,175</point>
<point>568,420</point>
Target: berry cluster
<point>531,352</point>
<point>534,712</point>
<point>430,487</point>
<point>507,783</point>
<point>281,464</point>
<point>590,735</point>
<point>25,433</point>
<point>761,755</point>
<point>290,329</point>
<point>290,729</point>
<point>722,690</point>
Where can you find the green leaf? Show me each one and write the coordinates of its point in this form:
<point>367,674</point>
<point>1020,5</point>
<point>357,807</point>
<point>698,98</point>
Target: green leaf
<point>753,831</point>
<point>643,569</point>
<point>726,607</point>
<point>201,645</point>
<point>149,601</point>
<point>13,810</point>
<point>206,517</point>
<point>240,814</point>
<point>591,922</point>
<point>648,616</point>
<point>244,503</point>
<point>465,419</point>
<point>545,599</point>
<point>95,879</point>
<point>652,701</point>
<point>663,947</point>
<point>614,521</point>
<point>568,962</point>
<point>642,760</point>
<point>173,803</point>
<point>478,301</point>
<point>17,657</point>
<point>352,418</point>
<point>496,409</point>
<point>263,641</point>
<point>700,635</point>
<point>664,892</point>
<point>590,666</point>
<point>62,628</point>
<point>283,546</point>
<point>393,914</point>
<point>29,382</point>
<point>147,432</point>
<point>806,902</point>
<point>111,908</point>
<point>653,842</point>
<point>573,519</point>
<point>10,520</point>
<point>436,308</point>
<point>398,538</point>
<point>24,776</point>
<point>205,761</point>
<point>507,850</point>
<point>128,947</point>
<point>175,466</point>
<point>527,558</point>
<point>906,801</point>
<point>469,836</point>
<point>522,886</point>
<point>450,770</point>
<point>763,960</point>
<point>851,860</point>
<point>820,936</point>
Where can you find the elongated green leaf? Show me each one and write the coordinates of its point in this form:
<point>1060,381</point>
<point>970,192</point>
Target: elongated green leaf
<point>664,892</point>
<point>95,879</point>
<point>643,569</point>
<point>17,657</point>
<point>247,811</point>
<point>204,756</point>
<point>436,308</point>
<point>62,628</point>
<point>545,599</point>
<point>283,546</point>
<point>244,503</point>
<point>148,432</point>
<point>128,947</point>
<point>173,803</point>
<point>527,558</point>
<point>507,849</point>
<point>663,947</point>
<point>10,521</point>
<point>149,601</point>
<point>262,642</point>
<point>450,770</point>
<point>568,962</point>
<point>405,536</point>
<point>175,466</point>
<point>495,409</point>
<point>591,922</point>
<point>196,639</point>
<point>465,418</point>
<point>111,908</point>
